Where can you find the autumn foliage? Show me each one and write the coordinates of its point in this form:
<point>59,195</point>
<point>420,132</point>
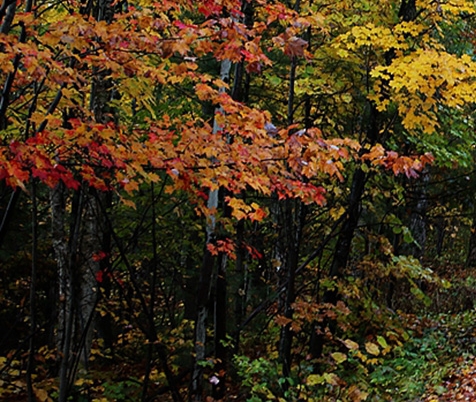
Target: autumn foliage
<point>212,185</point>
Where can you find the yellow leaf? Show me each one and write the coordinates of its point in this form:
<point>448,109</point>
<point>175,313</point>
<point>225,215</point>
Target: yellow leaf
<point>356,394</point>
<point>372,348</point>
<point>336,213</point>
<point>361,356</point>
<point>351,344</point>
<point>128,203</point>
<point>339,357</point>
<point>239,208</point>
<point>270,395</point>
<point>315,379</point>
<point>331,378</point>
<point>41,395</point>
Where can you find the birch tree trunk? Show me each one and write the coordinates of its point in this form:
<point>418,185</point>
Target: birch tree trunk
<point>65,253</point>
<point>60,246</point>
<point>205,281</point>
<point>91,241</point>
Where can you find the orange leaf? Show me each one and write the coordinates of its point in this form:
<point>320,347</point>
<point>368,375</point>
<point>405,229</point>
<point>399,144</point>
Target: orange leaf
<point>282,321</point>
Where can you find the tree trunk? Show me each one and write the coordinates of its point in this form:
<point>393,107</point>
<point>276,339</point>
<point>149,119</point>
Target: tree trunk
<point>471,258</point>
<point>33,280</point>
<point>204,285</point>
<point>91,223</point>
<point>418,224</point>
<point>239,292</point>
<point>77,285</point>
<point>407,12</point>
<point>60,246</point>
<point>293,220</point>
<point>240,93</point>
<point>205,282</point>
<point>91,242</point>
<point>220,319</point>
<point>344,241</point>
<point>293,224</point>
<point>65,252</point>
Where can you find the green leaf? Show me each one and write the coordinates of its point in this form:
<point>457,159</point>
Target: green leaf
<point>407,236</point>
<point>382,342</point>
<point>397,229</point>
<point>274,80</point>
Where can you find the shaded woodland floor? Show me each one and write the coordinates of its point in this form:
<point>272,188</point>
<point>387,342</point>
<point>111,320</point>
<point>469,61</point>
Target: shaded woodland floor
<point>460,386</point>
<point>438,363</point>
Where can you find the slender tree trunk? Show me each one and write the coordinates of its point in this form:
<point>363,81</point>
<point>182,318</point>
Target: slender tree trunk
<point>77,285</point>
<point>8,214</point>
<point>240,94</point>
<point>471,258</point>
<point>344,241</point>
<point>441,231</point>
<point>33,279</point>
<point>153,345</point>
<point>342,249</point>
<point>65,248</point>
<point>91,241</point>
<point>293,225</point>
<point>220,320</point>
<point>204,287</point>
<point>418,224</point>
<point>104,322</point>
<point>205,281</point>
<point>91,221</point>
<point>240,294</point>
<point>60,246</point>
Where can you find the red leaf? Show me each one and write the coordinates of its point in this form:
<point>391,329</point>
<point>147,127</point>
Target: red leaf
<point>295,47</point>
<point>99,276</point>
<point>100,255</point>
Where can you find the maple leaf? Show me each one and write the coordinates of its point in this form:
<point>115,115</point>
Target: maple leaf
<point>99,276</point>
<point>204,91</point>
<point>210,7</point>
<point>222,246</point>
<point>254,67</point>
<point>295,47</point>
<point>239,208</point>
<point>100,255</point>
<point>282,321</point>
<point>254,253</point>
<point>258,213</point>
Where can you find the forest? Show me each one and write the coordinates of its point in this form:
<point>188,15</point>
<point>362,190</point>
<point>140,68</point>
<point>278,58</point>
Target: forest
<point>237,200</point>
